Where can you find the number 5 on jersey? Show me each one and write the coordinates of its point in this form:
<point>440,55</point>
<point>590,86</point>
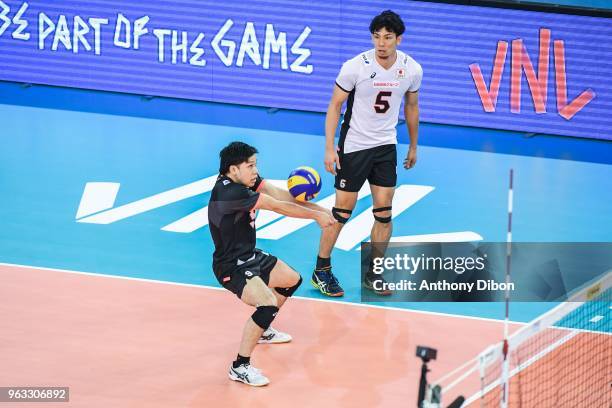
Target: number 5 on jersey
<point>382,102</point>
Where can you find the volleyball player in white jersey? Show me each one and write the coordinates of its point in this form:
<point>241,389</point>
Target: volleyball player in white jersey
<point>373,84</point>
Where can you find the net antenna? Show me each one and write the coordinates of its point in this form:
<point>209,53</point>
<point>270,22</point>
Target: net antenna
<point>505,376</point>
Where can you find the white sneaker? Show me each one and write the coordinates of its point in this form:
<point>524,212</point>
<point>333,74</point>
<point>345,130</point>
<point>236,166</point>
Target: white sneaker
<point>248,374</point>
<point>271,335</point>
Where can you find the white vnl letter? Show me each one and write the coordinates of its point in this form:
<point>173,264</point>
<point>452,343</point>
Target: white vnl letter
<point>140,29</point>
<point>45,27</point>
<point>176,46</point>
<point>160,34</point>
<point>197,52</point>
<point>231,46</point>
<point>4,10</point>
<point>18,34</point>
<point>303,53</point>
<point>249,45</point>
<point>62,34</point>
<point>80,29</point>
<point>277,45</point>
<point>123,22</point>
<point>96,23</point>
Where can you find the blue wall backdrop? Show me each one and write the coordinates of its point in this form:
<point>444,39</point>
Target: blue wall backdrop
<point>599,4</point>
<point>286,54</point>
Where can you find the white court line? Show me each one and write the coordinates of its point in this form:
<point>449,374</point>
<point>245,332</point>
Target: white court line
<point>191,285</point>
<point>596,319</point>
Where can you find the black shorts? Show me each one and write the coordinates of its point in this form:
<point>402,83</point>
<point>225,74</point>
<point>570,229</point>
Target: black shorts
<point>377,165</point>
<point>234,277</point>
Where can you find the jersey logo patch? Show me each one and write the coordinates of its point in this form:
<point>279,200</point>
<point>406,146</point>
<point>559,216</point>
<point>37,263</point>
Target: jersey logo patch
<point>401,73</point>
<point>386,84</point>
<point>373,75</point>
<point>365,59</point>
<point>226,182</point>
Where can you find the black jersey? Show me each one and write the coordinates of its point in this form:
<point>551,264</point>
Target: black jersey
<point>231,217</point>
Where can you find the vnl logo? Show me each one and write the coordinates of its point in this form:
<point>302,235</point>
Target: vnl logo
<point>97,206</point>
<point>538,83</point>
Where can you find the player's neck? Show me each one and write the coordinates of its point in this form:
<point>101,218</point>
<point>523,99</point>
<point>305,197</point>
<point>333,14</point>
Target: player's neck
<point>388,62</point>
<point>229,176</point>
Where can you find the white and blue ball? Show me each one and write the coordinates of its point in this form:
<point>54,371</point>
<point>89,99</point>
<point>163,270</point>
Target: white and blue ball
<point>304,183</point>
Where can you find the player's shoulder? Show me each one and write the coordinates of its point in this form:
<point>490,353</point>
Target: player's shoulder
<point>226,189</point>
<point>410,63</point>
<point>361,60</point>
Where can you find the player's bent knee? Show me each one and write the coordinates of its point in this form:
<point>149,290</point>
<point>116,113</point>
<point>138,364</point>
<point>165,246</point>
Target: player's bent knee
<point>382,220</point>
<point>270,300</point>
<point>264,315</point>
<point>342,219</point>
<point>288,292</point>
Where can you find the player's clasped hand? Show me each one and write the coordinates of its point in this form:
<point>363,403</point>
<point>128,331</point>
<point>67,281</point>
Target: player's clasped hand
<point>410,159</point>
<point>325,220</point>
<point>331,159</point>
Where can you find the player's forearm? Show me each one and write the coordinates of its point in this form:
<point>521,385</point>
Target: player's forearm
<point>284,195</point>
<point>294,210</point>
<point>331,123</point>
<point>311,206</point>
<point>412,122</point>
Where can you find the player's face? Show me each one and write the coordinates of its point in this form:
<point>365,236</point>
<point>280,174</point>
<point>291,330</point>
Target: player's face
<point>385,43</point>
<point>247,171</point>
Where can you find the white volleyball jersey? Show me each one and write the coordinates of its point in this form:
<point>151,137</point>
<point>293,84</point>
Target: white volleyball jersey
<point>376,93</point>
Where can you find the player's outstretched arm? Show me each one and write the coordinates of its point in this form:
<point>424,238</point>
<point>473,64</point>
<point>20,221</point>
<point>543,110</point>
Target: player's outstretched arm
<point>266,202</point>
<point>284,195</point>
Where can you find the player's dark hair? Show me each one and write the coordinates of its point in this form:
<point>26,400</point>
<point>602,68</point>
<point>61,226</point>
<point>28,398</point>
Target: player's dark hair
<point>389,20</point>
<point>233,154</point>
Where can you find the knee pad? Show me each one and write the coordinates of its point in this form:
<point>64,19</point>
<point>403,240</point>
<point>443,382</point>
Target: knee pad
<point>383,220</point>
<point>287,292</point>
<point>264,315</point>
<point>336,213</point>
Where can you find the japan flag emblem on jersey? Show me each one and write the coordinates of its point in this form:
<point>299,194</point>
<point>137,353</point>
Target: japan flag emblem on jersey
<point>401,73</point>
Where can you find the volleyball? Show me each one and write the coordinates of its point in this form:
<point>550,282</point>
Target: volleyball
<point>304,183</point>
